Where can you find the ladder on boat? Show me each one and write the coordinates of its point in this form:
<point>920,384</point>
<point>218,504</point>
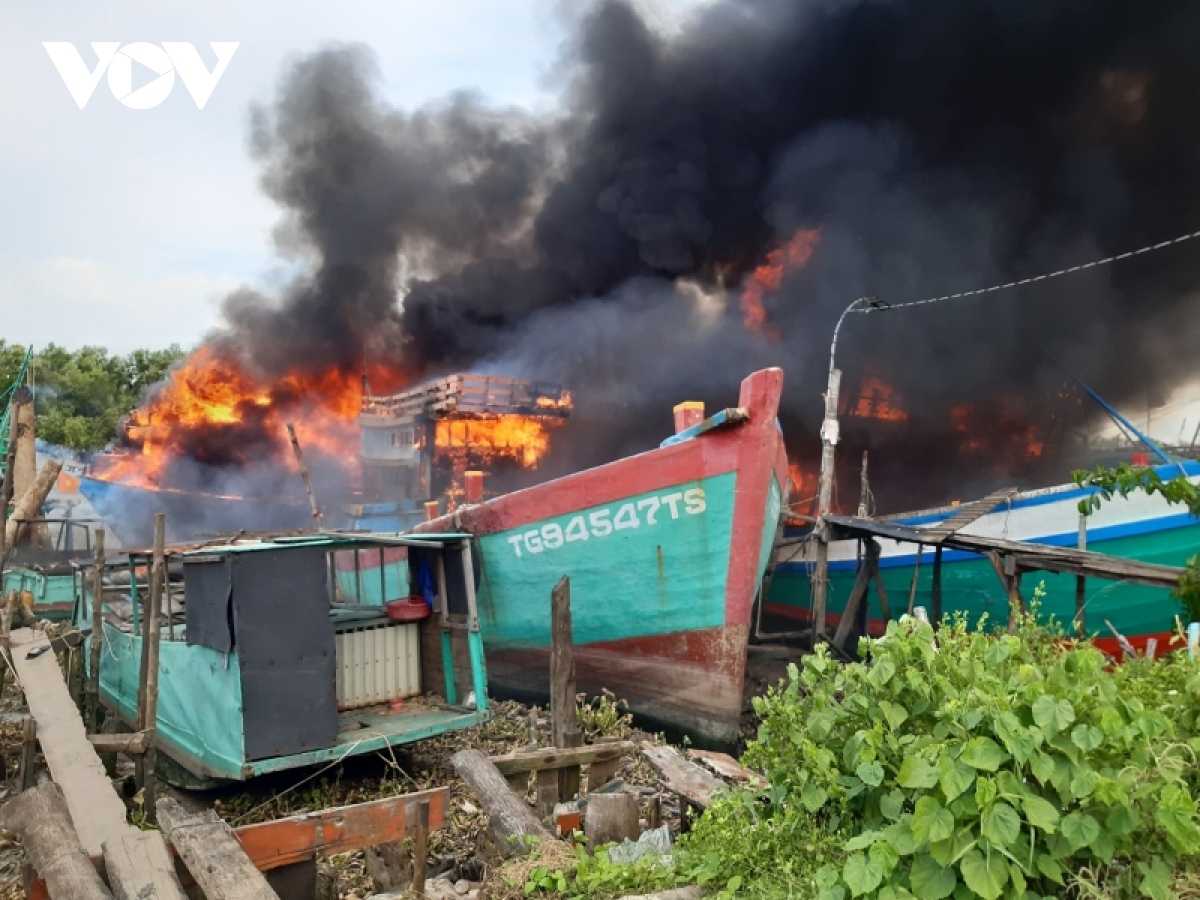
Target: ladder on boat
<point>6,422</point>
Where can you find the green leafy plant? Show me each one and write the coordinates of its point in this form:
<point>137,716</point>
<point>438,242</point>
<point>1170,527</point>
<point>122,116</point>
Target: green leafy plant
<point>604,716</point>
<point>1125,480</point>
<point>978,766</point>
<point>1187,591</point>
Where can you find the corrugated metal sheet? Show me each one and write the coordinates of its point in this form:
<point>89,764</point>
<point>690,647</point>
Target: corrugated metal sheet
<point>377,664</point>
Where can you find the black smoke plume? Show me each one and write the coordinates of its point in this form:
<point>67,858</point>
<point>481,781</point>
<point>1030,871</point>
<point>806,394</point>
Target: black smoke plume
<point>937,146</point>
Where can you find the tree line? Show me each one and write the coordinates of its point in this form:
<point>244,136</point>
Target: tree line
<point>81,395</point>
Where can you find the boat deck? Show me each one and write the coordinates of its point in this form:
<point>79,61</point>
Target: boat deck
<point>376,728</point>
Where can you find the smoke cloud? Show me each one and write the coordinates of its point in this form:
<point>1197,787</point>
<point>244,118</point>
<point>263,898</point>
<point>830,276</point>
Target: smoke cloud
<point>937,146</point>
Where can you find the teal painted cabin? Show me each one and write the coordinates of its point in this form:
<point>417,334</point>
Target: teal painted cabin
<point>267,663</point>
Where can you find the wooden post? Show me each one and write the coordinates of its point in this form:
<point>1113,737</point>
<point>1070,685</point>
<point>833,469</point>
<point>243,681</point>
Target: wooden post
<point>312,500</point>
<point>29,504</point>
<point>858,594</point>
<point>509,818</point>
<point>93,691</point>
<point>1081,583</point>
<point>148,681</point>
<point>935,594</point>
<point>215,859</point>
<point>564,719</point>
<point>6,616</point>
<point>418,813</point>
<point>40,818</point>
<point>28,752</point>
<point>829,439</point>
<point>1013,584</point>
<point>912,590</point>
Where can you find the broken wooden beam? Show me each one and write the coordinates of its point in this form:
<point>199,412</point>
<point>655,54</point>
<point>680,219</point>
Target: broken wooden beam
<point>29,505</point>
<point>553,758</point>
<point>688,780</point>
<point>214,858</point>
<point>120,743</point>
<point>512,822</point>
<point>41,819</point>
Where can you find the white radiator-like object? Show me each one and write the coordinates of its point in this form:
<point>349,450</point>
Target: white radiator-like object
<point>377,664</point>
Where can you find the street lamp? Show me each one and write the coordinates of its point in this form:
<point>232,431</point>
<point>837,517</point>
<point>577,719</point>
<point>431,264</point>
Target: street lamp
<point>829,439</point>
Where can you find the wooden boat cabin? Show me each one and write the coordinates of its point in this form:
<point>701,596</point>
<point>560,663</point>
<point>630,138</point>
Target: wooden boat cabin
<point>267,662</point>
<point>40,568</point>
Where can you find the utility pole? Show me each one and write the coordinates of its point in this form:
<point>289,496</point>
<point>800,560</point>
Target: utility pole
<point>829,439</point>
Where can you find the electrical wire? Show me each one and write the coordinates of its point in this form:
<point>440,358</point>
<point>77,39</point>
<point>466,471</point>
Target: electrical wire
<point>1161,245</point>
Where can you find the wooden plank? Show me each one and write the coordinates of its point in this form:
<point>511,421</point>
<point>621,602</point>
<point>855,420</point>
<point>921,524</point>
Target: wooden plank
<point>337,830</point>
<point>726,766</point>
<point>552,758</point>
<point>968,513</point>
<point>139,867</point>
<point>681,777</point>
<point>96,810</point>
<point>215,860</point>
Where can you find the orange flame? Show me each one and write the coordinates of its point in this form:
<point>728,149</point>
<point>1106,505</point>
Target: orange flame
<point>213,410</point>
<point>790,257</point>
<point>522,438</point>
<point>877,400</point>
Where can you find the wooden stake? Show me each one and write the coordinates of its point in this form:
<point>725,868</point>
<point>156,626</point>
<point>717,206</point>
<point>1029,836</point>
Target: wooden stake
<point>564,719</point>
<point>312,500</point>
<point>148,681</point>
<point>858,594</point>
<point>912,590</point>
<point>418,813</point>
<point>28,752</point>
<point>93,692</point>
<point>829,438</point>
<point>935,595</point>
<point>1081,583</point>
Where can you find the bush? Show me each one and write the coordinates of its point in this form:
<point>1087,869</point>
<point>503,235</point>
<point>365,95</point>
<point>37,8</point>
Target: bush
<point>978,765</point>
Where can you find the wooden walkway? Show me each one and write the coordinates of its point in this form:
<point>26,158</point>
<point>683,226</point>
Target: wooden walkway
<point>97,811</point>
<point>1027,556</point>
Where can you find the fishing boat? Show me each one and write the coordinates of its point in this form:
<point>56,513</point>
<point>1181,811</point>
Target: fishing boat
<point>43,573</point>
<point>665,552</point>
<point>264,666</point>
<point>1140,526</point>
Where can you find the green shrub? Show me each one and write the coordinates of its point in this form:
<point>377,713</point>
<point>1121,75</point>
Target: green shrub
<point>977,766</point>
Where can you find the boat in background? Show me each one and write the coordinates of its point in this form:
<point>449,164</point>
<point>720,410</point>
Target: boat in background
<point>1140,526</point>
<point>665,551</point>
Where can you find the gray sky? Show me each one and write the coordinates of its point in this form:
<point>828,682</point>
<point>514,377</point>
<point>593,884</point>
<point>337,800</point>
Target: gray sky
<point>124,227</point>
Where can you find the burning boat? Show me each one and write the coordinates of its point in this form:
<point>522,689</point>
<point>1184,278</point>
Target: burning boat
<point>1139,526</point>
<point>418,445</point>
<point>265,667</point>
<point>665,551</point>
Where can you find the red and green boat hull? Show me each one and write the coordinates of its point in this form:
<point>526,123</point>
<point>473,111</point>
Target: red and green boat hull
<point>665,551</point>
